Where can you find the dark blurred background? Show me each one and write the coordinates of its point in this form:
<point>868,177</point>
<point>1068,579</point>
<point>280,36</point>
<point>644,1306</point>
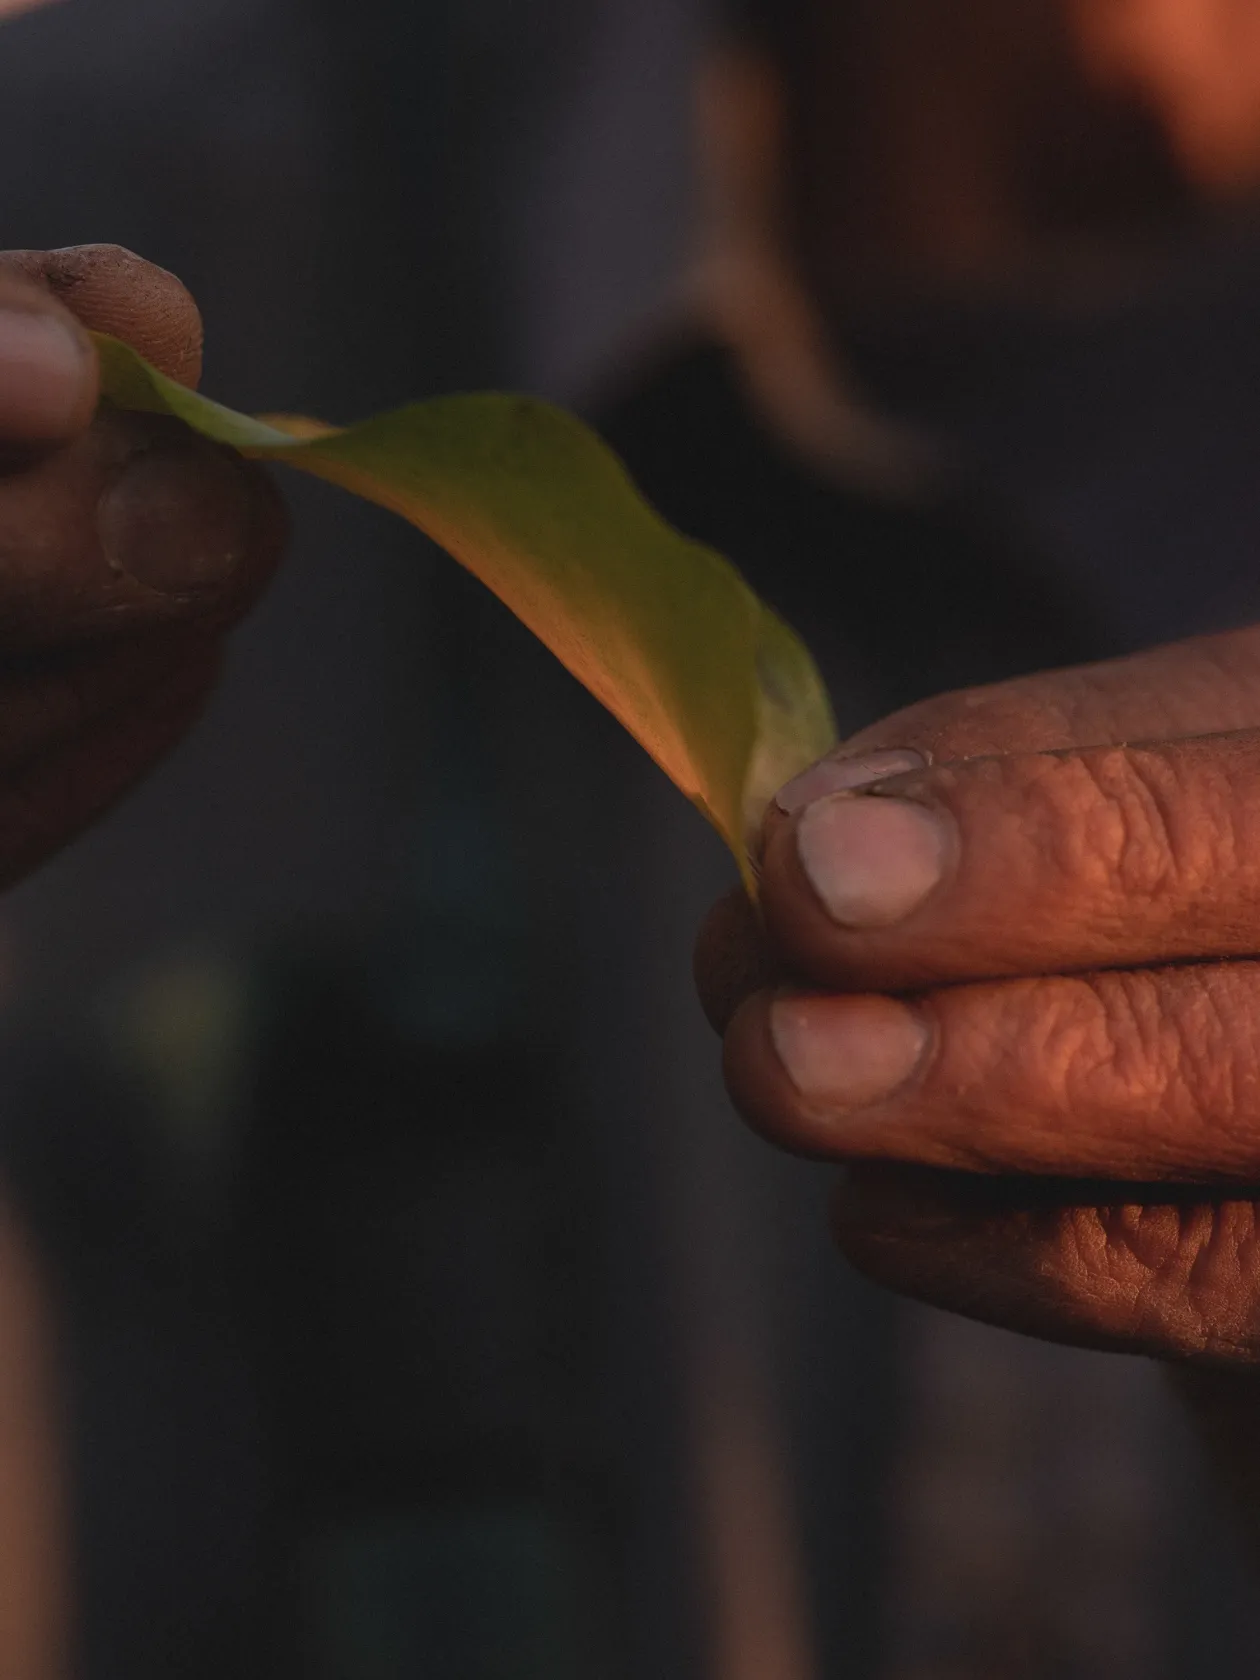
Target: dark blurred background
<point>417,1309</point>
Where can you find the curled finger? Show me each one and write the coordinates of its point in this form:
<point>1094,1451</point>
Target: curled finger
<point>1147,1075</point>
<point>1149,1269</point>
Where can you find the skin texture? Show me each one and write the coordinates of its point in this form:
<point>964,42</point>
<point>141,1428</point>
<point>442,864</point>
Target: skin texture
<point>128,548</point>
<point>1074,1150</point>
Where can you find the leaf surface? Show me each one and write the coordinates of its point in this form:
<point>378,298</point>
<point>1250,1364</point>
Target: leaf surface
<point>661,629</point>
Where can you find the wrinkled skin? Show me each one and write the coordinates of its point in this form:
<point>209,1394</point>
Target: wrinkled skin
<point>128,547</point>
<point>1077,1153</point>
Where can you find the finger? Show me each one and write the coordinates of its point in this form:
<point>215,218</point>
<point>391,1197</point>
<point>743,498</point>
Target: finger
<point>51,702</point>
<point>732,958</point>
<point>1150,1075</point>
<point>111,290</point>
<point>1033,864</point>
<point>1196,687</point>
<point>60,794</point>
<point>138,523</point>
<point>49,379</point>
<point>1122,1267</point>
<point>1201,686</point>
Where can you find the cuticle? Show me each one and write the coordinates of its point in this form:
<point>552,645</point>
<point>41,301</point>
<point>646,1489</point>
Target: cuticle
<point>846,755</point>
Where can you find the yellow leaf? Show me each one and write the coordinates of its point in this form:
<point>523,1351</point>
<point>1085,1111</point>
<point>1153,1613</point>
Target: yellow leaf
<point>662,630</point>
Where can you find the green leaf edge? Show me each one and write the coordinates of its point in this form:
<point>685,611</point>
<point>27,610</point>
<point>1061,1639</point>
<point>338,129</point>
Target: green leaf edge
<point>470,461</point>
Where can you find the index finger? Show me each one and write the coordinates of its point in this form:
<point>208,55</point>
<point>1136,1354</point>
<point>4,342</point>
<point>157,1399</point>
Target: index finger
<point>1030,864</point>
<point>131,522</point>
<point>49,378</point>
<point>109,289</point>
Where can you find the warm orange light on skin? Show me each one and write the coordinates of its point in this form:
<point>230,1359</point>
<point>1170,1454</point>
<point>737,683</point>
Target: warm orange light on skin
<point>8,8</point>
<point>1198,62</point>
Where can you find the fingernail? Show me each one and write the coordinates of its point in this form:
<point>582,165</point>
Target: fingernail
<point>848,1053</point>
<point>47,377</point>
<point>871,860</point>
<point>842,775</point>
<point>179,518</point>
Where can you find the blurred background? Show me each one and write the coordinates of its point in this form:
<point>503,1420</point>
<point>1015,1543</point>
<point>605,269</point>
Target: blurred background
<point>386,1291</point>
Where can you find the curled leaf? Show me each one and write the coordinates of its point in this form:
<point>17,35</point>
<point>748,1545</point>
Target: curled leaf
<point>661,629</point>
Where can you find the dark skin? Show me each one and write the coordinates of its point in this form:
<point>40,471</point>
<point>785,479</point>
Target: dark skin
<point>1066,1140</point>
<point>1073,1150</point>
<point>128,547</point>
<point>128,550</point>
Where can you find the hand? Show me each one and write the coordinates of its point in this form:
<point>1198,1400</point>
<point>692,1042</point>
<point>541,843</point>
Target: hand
<point>128,547</point>
<point>1015,986</point>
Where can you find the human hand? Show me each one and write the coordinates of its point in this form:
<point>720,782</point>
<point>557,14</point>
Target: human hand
<point>1024,999</point>
<point>128,547</point>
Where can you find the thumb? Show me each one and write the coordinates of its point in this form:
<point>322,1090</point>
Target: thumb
<point>111,290</point>
<point>49,374</point>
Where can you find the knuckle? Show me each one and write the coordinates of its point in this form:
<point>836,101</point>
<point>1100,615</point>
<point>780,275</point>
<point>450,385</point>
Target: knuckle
<point>1130,1052</point>
<point>1173,839</point>
<point>1134,824</point>
<point>1078,1046</point>
<point>1129,1046</point>
<point>1123,824</point>
<point>1185,1275</point>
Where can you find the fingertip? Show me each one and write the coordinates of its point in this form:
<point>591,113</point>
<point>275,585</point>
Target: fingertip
<point>760,1086</point>
<point>753,1073</point>
<point>732,959</point>
<point>49,375</point>
<point>191,525</point>
<point>110,289</point>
